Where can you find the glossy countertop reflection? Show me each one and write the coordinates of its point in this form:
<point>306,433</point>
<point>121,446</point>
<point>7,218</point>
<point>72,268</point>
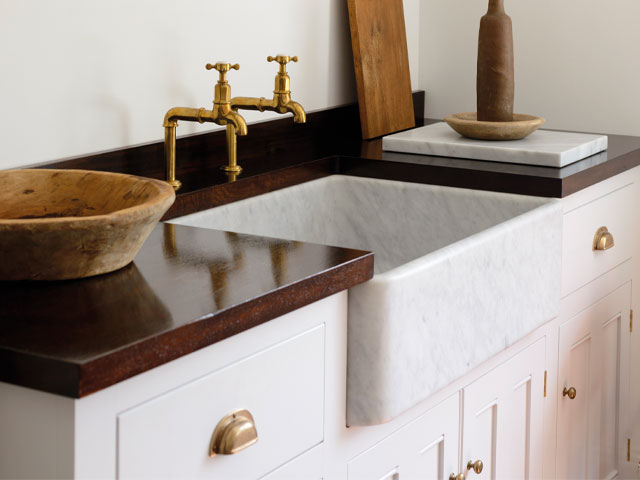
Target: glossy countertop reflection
<point>187,288</point>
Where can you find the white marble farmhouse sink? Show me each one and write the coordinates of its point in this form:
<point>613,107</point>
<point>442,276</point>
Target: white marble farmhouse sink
<point>459,275</point>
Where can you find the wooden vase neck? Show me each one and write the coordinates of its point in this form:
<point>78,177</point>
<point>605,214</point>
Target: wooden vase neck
<point>496,7</point>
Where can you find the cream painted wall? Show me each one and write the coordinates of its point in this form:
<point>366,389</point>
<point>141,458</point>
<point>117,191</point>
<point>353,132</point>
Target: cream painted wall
<point>81,76</point>
<point>577,61</point>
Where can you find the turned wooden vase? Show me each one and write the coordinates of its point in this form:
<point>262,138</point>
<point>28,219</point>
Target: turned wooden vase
<point>495,81</point>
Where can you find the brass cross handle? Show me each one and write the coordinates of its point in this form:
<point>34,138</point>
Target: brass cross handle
<point>569,392</point>
<point>476,466</point>
<point>222,69</point>
<point>460,476</point>
<point>282,59</point>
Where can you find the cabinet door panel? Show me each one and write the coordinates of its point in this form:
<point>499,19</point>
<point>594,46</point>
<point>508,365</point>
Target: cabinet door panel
<point>425,449</point>
<point>608,384</point>
<point>578,414</point>
<point>307,466</point>
<point>503,418</point>
<point>593,359</point>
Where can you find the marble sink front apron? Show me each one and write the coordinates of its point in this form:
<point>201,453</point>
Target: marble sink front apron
<point>460,275</point>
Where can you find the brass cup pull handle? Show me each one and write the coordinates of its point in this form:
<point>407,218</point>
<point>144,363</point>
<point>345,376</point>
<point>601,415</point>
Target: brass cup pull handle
<point>476,466</point>
<point>569,392</point>
<point>602,240</point>
<point>235,432</point>
<point>460,476</point>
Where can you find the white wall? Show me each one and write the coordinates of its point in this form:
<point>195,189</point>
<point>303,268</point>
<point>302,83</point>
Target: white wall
<point>577,61</point>
<point>81,76</point>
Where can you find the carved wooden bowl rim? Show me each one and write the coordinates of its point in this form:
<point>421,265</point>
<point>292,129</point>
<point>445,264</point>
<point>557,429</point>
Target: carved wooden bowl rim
<point>467,125</point>
<point>161,198</point>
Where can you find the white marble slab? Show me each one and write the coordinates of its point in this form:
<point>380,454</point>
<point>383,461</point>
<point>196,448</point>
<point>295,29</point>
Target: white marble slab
<point>460,275</point>
<point>542,147</point>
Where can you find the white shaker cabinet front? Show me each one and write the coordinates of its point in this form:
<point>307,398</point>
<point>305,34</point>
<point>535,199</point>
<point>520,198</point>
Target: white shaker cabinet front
<point>427,448</point>
<point>592,387</point>
<point>500,421</point>
<point>503,418</point>
<point>592,390</point>
<point>159,424</point>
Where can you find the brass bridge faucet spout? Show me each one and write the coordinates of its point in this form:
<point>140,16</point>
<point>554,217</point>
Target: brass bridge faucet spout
<point>280,103</point>
<point>221,114</point>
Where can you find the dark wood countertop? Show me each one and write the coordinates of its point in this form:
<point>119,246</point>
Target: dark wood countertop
<point>189,288</point>
<point>186,289</point>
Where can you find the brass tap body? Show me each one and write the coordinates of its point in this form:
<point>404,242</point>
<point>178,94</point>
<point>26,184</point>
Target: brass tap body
<point>221,114</point>
<point>280,103</point>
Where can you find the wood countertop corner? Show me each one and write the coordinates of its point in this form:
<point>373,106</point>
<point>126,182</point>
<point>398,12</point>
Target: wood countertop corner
<point>186,289</point>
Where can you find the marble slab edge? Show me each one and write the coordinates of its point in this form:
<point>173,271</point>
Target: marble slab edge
<point>542,148</point>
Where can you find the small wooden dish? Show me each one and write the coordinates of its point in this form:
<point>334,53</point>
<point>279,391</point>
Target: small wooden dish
<point>64,224</point>
<point>467,125</point>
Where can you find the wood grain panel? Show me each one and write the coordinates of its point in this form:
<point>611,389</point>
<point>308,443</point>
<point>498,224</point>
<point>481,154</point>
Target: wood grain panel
<point>381,62</point>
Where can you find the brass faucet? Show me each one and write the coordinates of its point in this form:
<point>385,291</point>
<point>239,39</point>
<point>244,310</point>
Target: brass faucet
<point>280,103</point>
<point>222,113</point>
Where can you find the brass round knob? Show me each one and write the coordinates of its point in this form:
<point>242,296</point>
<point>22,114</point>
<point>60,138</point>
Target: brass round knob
<point>569,392</point>
<point>476,466</point>
<point>602,240</point>
<point>460,476</point>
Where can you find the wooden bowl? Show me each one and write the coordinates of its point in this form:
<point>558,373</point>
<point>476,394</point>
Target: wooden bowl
<point>63,224</point>
<point>467,125</point>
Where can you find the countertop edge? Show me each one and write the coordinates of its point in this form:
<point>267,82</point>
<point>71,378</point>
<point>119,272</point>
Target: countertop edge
<point>77,380</point>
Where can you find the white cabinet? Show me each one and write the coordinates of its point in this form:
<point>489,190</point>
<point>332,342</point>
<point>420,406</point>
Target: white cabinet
<point>500,417</point>
<point>593,360</point>
<point>159,424</point>
<point>515,421</point>
<point>503,418</point>
<point>594,333</point>
<point>291,373</point>
<point>167,437</point>
<point>427,448</point>
<point>610,209</point>
<point>307,466</point>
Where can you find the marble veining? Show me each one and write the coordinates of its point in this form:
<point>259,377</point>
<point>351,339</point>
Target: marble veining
<point>543,147</point>
<point>459,275</point>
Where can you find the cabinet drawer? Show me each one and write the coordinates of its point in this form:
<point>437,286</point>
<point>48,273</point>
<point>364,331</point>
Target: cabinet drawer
<point>580,263</point>
<point>283,388</point>
<point>307,466</point>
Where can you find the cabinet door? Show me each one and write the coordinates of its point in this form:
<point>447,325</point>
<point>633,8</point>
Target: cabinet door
<point>503,418</point>
<point>426,449</point>
<point>593,359</point>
